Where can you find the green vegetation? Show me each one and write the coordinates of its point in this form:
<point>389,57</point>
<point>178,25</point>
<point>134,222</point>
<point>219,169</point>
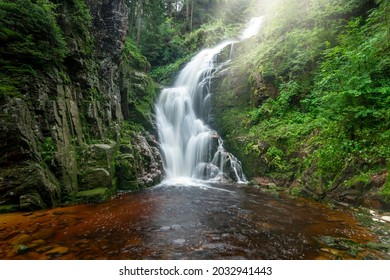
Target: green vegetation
<point>306,101</point>
<point>37,39</point>
<point>168,33</point>
<point>30,38</point>
<point>320,95</point>
<point>48,150</point>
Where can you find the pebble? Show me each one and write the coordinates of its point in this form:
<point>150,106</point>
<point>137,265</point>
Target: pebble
<point>176,227</point>
<point>44,234</point>
<point>20,238</point>
<point>44,249</point>
<point>330,251</point>
<point>165,228</point>
<point>179,241</point>
<point>58,251</point>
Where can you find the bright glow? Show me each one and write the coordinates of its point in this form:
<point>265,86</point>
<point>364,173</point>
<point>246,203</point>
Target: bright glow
<point>253,27</point>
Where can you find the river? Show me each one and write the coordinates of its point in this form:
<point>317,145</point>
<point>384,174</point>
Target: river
<point>171,222</point>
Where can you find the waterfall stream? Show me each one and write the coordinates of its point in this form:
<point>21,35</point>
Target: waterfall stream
<point>191,150</point>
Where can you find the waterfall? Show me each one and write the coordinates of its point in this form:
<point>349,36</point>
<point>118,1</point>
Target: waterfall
<point>191,150</point>
<point>253,27</point>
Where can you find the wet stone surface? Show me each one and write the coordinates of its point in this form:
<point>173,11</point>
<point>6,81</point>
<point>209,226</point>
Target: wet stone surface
<point>220,222</point>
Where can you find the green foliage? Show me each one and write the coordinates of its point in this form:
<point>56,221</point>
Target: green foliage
<point>274,157</point>
<point>165,74</point>
<point>320,70</point>
<point>48,150</point>
<point>385,192</point>
<point>29,32</point>
<point>80,22</point>
<point>171,30</point>
<point>30,40</point>
<point>132,55</point>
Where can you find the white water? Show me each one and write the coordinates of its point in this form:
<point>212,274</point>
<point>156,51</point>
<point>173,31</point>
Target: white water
<point>253,27</point>
<point>192,151</point>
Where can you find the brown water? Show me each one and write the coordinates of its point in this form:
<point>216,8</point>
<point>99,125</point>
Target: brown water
<point>225,222</point>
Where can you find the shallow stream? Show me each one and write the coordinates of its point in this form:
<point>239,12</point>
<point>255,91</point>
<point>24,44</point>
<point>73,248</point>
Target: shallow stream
<point>171,222</point>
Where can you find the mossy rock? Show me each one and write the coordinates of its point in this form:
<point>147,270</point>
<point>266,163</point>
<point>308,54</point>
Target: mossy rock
<point>94,195</point>
<point>31,201</point>
<point>30,185</point>
<point>9,208</point>
<point>378,246</point>
<point>126,172</point>
<point>93,178</point>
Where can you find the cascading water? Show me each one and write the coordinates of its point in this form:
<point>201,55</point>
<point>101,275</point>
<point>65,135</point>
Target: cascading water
<point>190,149</point>
<point>253,27</point>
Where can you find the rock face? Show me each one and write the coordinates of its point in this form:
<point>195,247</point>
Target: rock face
<point>78,125</point>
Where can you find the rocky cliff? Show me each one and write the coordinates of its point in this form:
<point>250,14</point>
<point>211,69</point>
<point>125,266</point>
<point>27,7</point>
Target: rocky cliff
<point>75,104</point>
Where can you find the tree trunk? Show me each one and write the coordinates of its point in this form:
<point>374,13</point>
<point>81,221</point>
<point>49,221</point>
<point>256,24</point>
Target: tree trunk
<point>139,21</point>
<point>132,15</point>
<point>192,14</point>
<point>169,8</point>
<point>188,15</point>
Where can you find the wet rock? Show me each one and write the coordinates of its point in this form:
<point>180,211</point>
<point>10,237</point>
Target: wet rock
<point>378,246</point>
<point>44,249</point>
<point>27,214</point>
<point>58,251</point>
<point>32,201</point>
<point>38,241</point>
<point>4,235</point>
<point>31,246</point>
<point>20,238</point>
<point>385,218</point>
<point>21,248</point>
<point>176,227</point>
<point>179,241</point>
<point>43,234</point>
<point>331,251</point>
<point>140,169</point>
<point>165,228</point>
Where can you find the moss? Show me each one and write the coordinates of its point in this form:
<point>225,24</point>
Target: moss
<point>48,150</point>
<point>126,170</point>
<point>385,192</point>
<point>132,56</point>
<point>378,246</point>
<point>94,195</point>
<point>9,208</point>
<point>39,40</point>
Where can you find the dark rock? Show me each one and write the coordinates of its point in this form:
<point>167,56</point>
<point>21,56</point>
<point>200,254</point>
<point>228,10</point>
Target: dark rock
<point>32,201</point>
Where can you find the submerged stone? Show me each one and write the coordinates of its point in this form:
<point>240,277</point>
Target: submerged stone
<point>58,251</point>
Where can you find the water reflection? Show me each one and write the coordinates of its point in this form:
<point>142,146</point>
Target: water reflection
<point>220,222</point>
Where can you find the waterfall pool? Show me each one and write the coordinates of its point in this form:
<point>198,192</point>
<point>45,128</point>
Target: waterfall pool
<point>188,222</point>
